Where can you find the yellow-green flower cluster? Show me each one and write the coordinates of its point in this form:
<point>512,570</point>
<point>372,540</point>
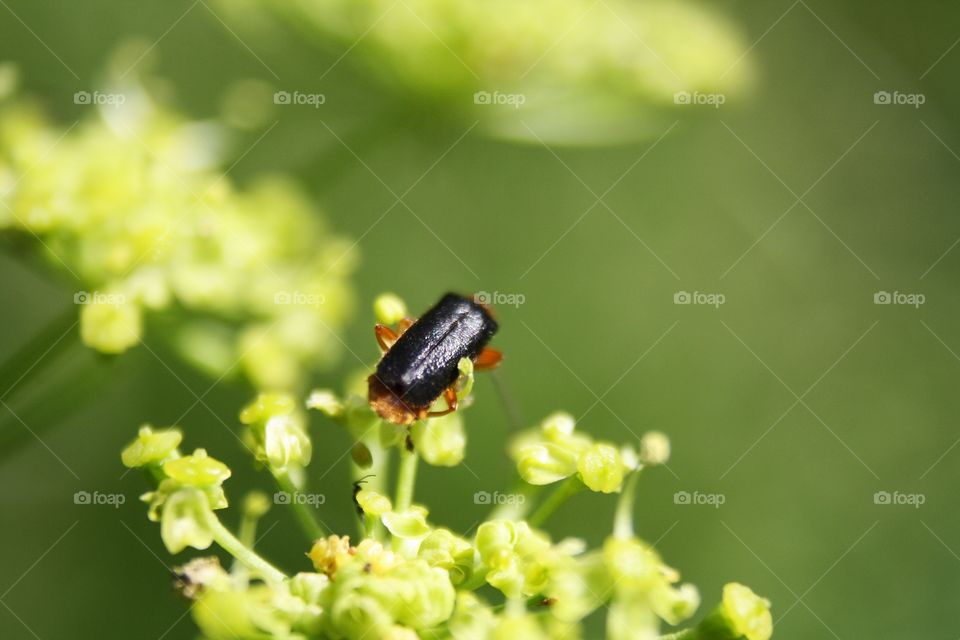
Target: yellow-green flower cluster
<point>134,202</point>
<point>189,487</point>
<point>570,71</point>
<point>278,433</point>
<point>555,450</point>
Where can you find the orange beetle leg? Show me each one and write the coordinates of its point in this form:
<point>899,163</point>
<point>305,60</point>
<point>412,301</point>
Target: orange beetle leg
<point>489,358</point>
<point>450,395</point>
<point>385,336</point>
<point>405,324</point>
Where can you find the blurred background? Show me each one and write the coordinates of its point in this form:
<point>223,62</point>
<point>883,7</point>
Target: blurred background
<point>808,221</point>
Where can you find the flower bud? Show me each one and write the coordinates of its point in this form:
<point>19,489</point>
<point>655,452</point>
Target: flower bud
<point>389,308</point>
<point>185,520</point>
<point>409,524</point>
<point>329,554</point>
<point>741,614</point>
<point>440,441</point>
<point>326,402</point>
<point>601,468</point>
<point>441,548</point>
<point>373,503</point>
<point>197,470</point>
<point>111,327</point>
<point>255,505</point>
<point>654,448</point>
<point>151,447</point>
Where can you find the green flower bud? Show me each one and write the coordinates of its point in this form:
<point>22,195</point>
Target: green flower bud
<point>197,470</point>
<point>266,406</point>
<point>630,618</point>
<point>111,327</point>
<point>440,441</point>
<point>494,542</point>
<point>185,520</point>
<point>200,574</point>
<point>373,503</point>
<point>743,613</point>
<point>654,448</point>
<point>326,402</point>
<point>441,548</point>
<point>471,619</point>
<point>151,447</point>
<point>551,453</point>
<point>526,626</point>
<point>389,308</point>
<point>358,616</point>
<point>255,505</point>
<point>675,605</point>
<point>409,524</point>
<point>285,443</point>
<point>278,431</point>
<point>309,587</point>
<point>602,468</point>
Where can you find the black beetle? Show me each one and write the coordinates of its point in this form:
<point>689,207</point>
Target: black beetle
<point>420,362</point>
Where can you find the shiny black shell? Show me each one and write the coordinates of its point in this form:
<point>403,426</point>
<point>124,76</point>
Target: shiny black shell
<point>423,361</point>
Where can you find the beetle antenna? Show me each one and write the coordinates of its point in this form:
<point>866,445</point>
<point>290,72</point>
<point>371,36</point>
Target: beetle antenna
<point>506,400</point>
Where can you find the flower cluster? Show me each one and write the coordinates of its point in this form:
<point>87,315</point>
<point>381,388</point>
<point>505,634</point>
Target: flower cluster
<point>573,71</point>
<point>404,577</point>
<point>136,206</point>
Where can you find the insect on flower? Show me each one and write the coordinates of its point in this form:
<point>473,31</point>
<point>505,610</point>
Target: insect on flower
<point>420,360</point>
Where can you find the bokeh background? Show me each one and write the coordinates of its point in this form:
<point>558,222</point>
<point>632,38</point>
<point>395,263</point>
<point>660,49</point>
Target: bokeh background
<point>797,400</point>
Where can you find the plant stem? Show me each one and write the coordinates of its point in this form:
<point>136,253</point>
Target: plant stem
<point>244,554</point>
<point>567,488</point>
<point>623,517</point>
<point>406,479</point>
<point>305,515</point>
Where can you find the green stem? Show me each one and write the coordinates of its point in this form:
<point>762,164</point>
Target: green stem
<point>371,527</point>
<point>567,488</point>
<point>406,479</point>
<point>623,518</point>
<point>305,515</point>
<point>244,554</point>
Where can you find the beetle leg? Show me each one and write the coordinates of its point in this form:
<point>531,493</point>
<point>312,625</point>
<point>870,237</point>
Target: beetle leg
<point>405,324</point>
<point>450,395</point>
<point>385,336</point>
<point>489,358</point>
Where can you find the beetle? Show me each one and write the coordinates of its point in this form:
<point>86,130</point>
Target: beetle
<point>420,360</point>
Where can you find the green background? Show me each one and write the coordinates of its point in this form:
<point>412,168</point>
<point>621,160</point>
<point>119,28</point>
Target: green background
<point>799,523</point>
